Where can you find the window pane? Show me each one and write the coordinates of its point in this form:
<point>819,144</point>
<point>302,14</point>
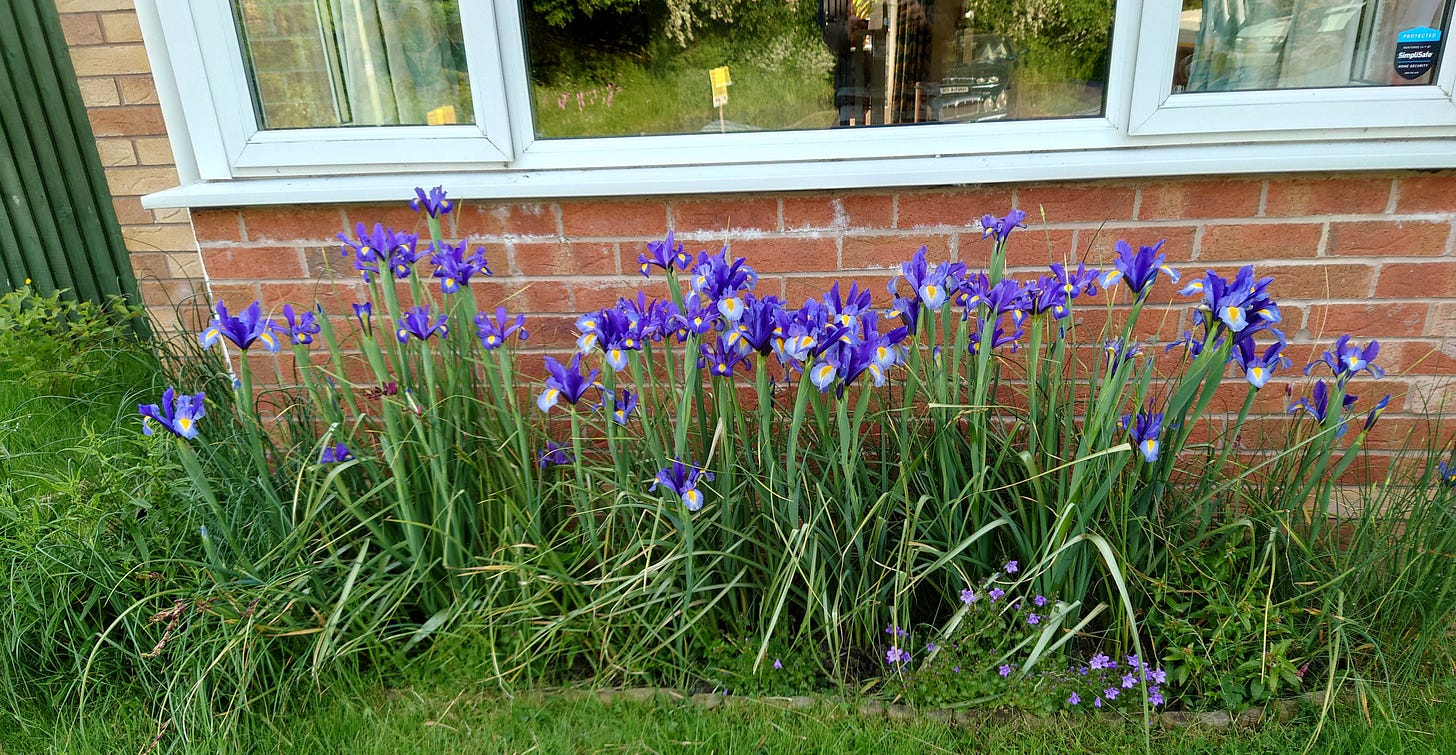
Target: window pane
<point>1226,45</point>
<point>615,67</point>
<point>316,63</point>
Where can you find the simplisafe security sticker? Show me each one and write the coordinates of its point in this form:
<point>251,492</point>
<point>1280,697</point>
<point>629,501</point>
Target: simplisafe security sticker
<point>1415,51</point>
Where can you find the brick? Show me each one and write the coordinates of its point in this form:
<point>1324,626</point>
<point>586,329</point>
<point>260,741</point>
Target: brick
<point>560,258</point>
<point>1389,238</point>
<point>121,27</point>
<point>309,223</point>
<point>593,295</point>
<point>869,251</point>
<point>1378,319</point>
<point>129,211</point>
<point>253,263</point>
<point>1177,200</point>
<point>803,212</point>
<point>798,289</point>
<point>126,121</point>
<point>1327,196</point>
<point>398,216</point>
<point>1427,357</point>
<point>216,225</point>
<point>1064,203</point>
<point>1265,241</point>
<point>110,60</point>
<point>137,90</point>
<point>550,330</point>
<point>789,255</point>
<point>1426,193</point>
<point>167,238</point>
<point>115,152</point>
<point>725,215</point>
<point>99,92</point>
<point>336,298</point>
<point>150,265</point>
<point>1099,245</point>
<point>1333,280</point>
<point>614,218</point>
<point>82,29</point>
<point>1036,248</point>
<point>171,215</point>
<point>154,151</point>
<point>1417,280</point>
<point>132,181</point>
<point>508,219</point>
<point>959,209</point>
<point>1442,321</point>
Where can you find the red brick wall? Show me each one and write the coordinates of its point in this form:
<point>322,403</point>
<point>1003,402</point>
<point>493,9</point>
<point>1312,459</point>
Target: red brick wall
<point>1371,254</point>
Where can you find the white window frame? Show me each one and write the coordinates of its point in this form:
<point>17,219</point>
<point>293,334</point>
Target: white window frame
<point>224,158</point>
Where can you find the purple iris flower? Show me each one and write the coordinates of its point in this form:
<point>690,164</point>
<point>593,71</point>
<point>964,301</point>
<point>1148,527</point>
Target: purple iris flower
<point>1047,295</point>
<point>721,358</point>
<point>845,310</point>
<point>1347,360</point>
<point>665,255</point>
<point>1139,270</point>
<point>932,287</point>
<point>999,338</point>
<point>1242,305</point>
<point>697,319</point>
<point>1258,369</point>
<point>364,311</point>
<point>493,333</point>
<point>454,267</point>
<point>1318,405</point>
<point>302,326</point>
<point>368,247</point>
<point>858,351</point>
<point>682,479</point>
<point>1448,474</point>
<point>416,322</point>
<point>1007,297</point>
<point>762,321</point>
<point>1144,431</point>
<point>1002,227</point>
<point>1083,281</point>
<point>405,254</point>
<point>907,310</point>
<point>243,330</point>
<point>621,411</point>
<point>613,330</point>
<point>335,453</point>
<point>720,281</point>
<point>178,414</point>
<point>651,321</point>
<point>566,382</point>
<point>432,202</point>
<point>555,453</point>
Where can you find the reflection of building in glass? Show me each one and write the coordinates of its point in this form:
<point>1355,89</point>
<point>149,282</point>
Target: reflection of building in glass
<point>1226,45</point>
<point>910,61</point>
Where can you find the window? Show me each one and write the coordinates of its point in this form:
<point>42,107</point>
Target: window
<point>592,97</point>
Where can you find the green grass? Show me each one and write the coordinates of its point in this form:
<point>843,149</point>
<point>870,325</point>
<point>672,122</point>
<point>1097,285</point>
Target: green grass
<point>454,717</point>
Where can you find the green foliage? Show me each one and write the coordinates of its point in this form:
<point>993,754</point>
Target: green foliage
<point>51,344</point>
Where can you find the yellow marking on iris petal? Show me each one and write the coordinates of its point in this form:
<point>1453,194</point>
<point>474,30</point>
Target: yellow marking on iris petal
<point>882,353</point>
<point>1150,448</point>
<point>932,291</point>
<point>693,499</point>
<point>268,339</point>
<point>824,372</point>
<point>1257,373</point>
<point>722,367</point>
<point>185,423</point>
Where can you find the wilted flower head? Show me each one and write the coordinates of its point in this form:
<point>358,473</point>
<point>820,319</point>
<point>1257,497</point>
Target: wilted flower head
<point>1139,270</point>
<point>432,202</point>
<point>243,330</point>
<point>364,311</point>
<point>682,479</point>
<point>302,326</point>
<point>178,414</point>
<point>1318,405</point>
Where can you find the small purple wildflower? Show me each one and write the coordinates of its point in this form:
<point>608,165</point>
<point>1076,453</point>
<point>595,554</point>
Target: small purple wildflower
<point>335,453</point>
<point>1012,567</point>
<point>931,647</point>
<point>1129,681</point>
<point>969,596</point>
<point>1006,669</point>
<point>1039,600</point>
<point>778,664</point>
<point>1033,619</point>
<point>1074,699</point>
<point>996,594</point>
<point>895,656</point>
<point>1111,693</point>
<point>1155,697</point>
<point>895,631</point>
<point>1101,661</point>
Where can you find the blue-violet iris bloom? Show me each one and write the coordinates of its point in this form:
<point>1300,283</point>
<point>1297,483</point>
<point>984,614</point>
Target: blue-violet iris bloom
<point>1139,270</point>
<point>682,479</point>
<point>565,382</point>
<point>302,326</point>
<point>243,330</point>
<point>416,322</point>
<point>178,414</point>
<point>432,202</point>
